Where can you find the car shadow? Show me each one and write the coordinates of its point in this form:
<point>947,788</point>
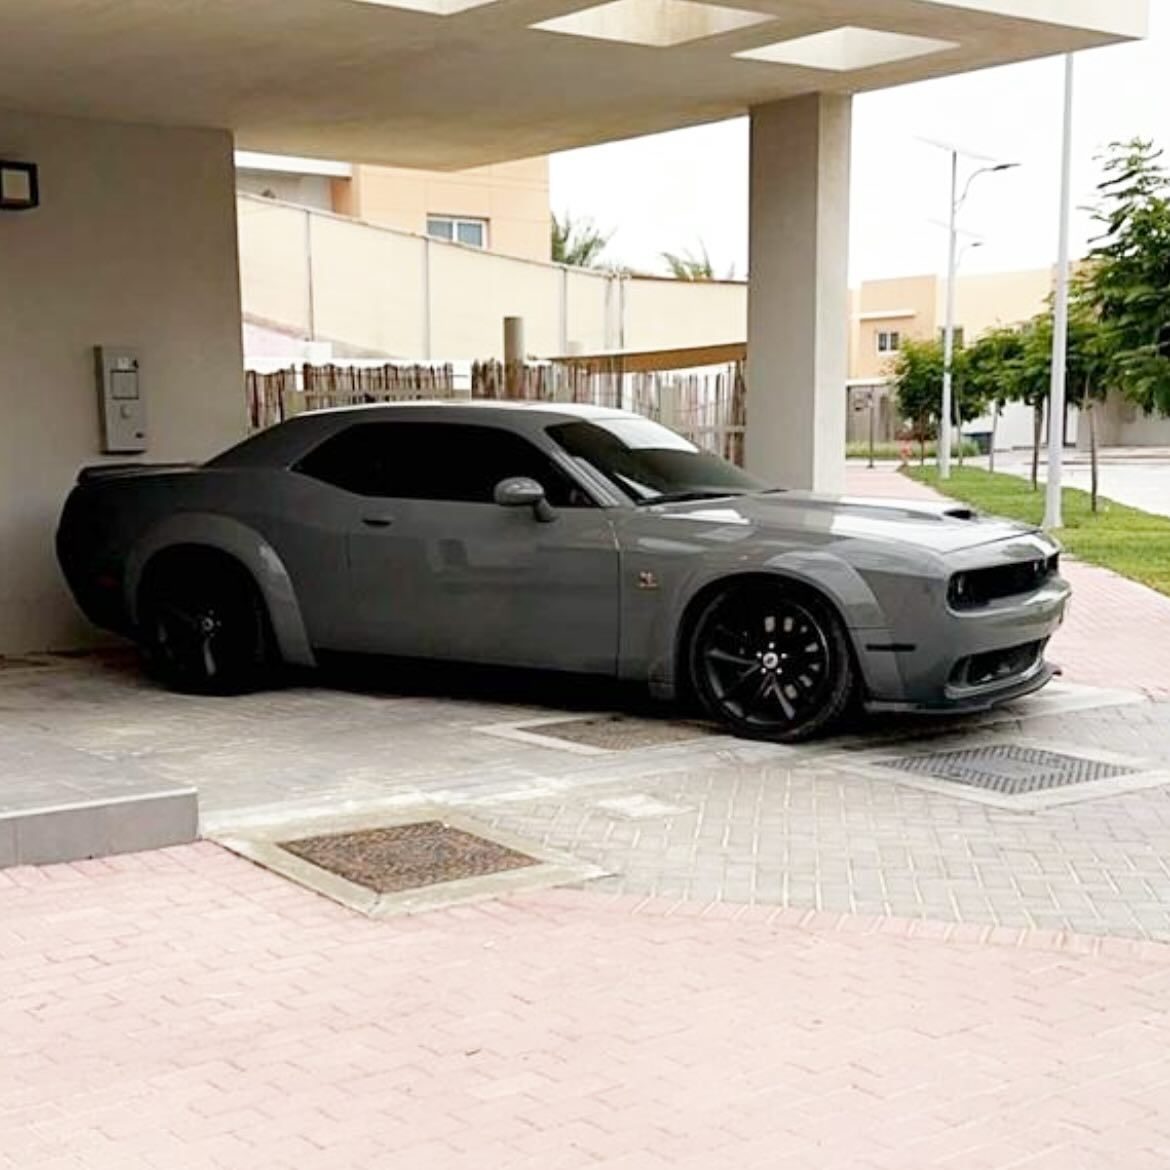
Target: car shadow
<point>508,687</point>
<point>556,692</point>
<point>552,691</point>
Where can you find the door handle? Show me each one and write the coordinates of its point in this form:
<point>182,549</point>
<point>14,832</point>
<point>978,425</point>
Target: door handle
<point>377,521</point>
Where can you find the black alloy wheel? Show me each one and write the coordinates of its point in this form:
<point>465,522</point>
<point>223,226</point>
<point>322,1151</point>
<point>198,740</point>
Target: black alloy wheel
<point>771,661</point>
<point>205,630</point>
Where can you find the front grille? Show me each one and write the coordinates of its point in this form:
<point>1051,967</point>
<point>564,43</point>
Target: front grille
<point>996,666</point>
<point>981,586</point>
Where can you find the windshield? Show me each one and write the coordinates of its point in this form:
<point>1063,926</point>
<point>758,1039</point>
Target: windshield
<point>649,463</point>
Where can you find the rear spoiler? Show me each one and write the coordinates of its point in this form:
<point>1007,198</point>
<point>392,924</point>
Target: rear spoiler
<point>98,472</point>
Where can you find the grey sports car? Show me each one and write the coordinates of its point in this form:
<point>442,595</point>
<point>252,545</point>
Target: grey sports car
<point>570,538</point>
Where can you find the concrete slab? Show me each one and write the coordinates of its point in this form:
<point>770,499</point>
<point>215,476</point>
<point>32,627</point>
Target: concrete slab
<point>58,803</point>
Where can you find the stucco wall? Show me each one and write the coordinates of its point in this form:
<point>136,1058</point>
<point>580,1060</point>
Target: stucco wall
<point>383,291</point>
<point>134,245</point>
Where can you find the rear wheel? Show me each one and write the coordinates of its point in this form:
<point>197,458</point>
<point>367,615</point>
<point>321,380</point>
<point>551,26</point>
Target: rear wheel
<point>203,626</point>
<point>772,661</point>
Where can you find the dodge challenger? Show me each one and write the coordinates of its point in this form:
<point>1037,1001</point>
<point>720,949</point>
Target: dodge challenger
<point>560,537</point>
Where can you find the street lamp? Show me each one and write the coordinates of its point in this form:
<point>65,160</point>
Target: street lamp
<point>1053,517</point>
<point>957,201</point>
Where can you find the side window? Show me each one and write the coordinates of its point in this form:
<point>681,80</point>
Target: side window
<point>435,461</point>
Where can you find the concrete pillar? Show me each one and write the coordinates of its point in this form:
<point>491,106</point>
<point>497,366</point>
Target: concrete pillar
<point>798,292</point>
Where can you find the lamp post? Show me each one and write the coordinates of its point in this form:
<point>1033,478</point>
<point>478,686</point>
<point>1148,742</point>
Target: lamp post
<point>957,202</point>
<point>1053,517</point>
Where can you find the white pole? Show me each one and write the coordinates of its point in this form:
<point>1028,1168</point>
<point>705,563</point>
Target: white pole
<point>944,435</point>
<point>1053,517</point>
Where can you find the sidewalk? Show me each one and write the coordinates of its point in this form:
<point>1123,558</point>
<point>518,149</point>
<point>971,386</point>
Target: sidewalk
<point>1109,638</point>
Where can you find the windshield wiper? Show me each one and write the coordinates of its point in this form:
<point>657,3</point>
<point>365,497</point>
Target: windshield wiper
<point>683,497</point>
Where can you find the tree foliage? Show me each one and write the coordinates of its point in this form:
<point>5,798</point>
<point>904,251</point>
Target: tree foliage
<point>688,265</point>
<point>918,375</point>
<point>917,371</point>
<point>1014,364</point>
<point>1127,281</point>
<point>577,243</point>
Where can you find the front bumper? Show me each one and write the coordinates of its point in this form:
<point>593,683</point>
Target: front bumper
<point>1027,684</point>
<point>944,660</point>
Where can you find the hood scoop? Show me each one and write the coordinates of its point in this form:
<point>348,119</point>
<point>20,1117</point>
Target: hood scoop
<point>961,514</point>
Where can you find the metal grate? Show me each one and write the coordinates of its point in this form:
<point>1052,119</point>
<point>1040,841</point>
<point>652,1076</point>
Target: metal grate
<point>405,857</point>
<point>616,733</point>
<point>1009,769</point>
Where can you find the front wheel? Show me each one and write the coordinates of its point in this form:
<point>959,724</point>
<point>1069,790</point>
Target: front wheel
<point>772,661</point>
<point>204,629</point>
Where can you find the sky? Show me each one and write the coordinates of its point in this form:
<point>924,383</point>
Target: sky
<point>689,188</point>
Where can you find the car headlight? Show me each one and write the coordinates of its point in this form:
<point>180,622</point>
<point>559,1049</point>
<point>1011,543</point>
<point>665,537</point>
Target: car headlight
<point>959,593</point>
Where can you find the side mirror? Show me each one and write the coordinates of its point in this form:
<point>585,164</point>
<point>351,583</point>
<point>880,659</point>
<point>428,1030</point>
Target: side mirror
<point>522,492</point>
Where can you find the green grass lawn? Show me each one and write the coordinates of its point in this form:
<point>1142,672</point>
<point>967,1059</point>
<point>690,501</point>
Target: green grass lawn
<point>1132,543</point>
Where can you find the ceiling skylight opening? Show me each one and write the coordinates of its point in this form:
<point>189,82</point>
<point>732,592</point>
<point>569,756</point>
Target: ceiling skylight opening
<point>659,23</point>
<point>845,50</point>
<point>433,7</point>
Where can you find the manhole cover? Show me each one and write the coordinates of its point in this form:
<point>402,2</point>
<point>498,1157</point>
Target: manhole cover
<point>404,857</point>
<point>615,733</point>
<point>1009,769</point>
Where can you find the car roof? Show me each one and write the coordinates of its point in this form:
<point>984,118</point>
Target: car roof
<point>505,405</point>
<point>283,444</point>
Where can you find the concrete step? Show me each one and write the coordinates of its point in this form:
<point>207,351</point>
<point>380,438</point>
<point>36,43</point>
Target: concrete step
<point>61,804</point>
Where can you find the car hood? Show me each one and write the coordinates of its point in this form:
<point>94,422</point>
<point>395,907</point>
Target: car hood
<point>943,527</point>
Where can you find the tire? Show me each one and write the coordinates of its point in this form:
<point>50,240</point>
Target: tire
<point>772,661</point>
<point>203,626</point>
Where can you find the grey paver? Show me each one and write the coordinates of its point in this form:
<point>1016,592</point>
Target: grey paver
<point>755,823</point>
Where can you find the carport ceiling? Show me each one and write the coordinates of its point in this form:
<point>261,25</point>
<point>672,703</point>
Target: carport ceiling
<point>455,83</point>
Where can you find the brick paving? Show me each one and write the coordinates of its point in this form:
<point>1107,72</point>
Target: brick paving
<point>795,965</point>
<point>810,834</point>
<point>187,1010</point>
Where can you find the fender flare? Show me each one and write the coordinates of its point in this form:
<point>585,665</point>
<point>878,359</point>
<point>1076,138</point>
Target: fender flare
<point>835,580</point>
<point>243,544</point>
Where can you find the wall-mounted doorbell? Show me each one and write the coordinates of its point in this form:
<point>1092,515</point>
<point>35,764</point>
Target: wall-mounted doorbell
<point>120,400</point>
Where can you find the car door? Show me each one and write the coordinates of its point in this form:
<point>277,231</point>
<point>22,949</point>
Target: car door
<point>437,569</point>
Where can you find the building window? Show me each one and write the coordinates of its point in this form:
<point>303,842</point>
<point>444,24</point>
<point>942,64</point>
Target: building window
<point>888,342</point>
<point>458,229</point>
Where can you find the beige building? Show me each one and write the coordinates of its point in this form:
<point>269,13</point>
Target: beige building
<point>887,312</point>
<point>502,208</point>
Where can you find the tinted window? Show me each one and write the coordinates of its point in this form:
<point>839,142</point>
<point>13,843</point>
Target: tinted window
<point>434,461</point>
<point>648,462</point>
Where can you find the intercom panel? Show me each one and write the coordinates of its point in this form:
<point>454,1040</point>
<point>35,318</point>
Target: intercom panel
<point>121,403</point>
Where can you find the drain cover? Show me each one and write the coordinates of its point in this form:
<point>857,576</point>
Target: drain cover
<point>1009,769</point>
<point>616,733</point>
<point>404,857</point>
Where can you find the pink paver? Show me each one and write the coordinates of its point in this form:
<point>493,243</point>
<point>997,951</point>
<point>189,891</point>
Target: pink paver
<point>1116,631</point>
<point>185,1009</point>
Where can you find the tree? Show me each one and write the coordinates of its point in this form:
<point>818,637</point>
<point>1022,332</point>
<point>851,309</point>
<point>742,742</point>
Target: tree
<point>917,371</point>
<point>1090,367</point>
<point>1014,364</point>
<point>1127,282</point>
<point>992,368</point>
<point>577,243</point>
<point>696,265</point>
